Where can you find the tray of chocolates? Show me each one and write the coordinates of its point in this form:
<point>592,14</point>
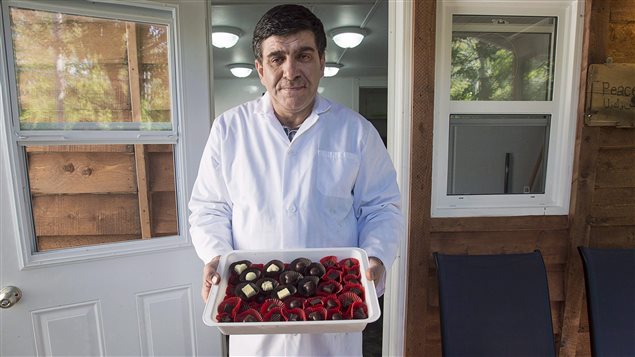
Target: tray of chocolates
<point>313,290</point>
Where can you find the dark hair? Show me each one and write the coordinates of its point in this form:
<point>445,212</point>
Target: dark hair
<point>283,20</point>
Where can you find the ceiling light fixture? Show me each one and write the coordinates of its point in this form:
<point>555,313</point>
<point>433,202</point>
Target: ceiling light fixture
<point>241,70</point>
<point>331,69</point>
<point>348,37</point>
<point>225,36</point>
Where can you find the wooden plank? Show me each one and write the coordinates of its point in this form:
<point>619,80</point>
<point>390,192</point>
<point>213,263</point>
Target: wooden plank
<point>614,196</point>
<point>613,215</point>
<point>424,17</point>
<point>616,138</point>
<point>81,148</point>
<point>433,293</point>
<point>47,243</point>
<point>555,280</point>
<point>584,316</point>
<point>579,236</point>
<point>161,172</point>
<point>616,178</point>
<point>622,11</point>
<point>86,214</point>
<point>159,148</point>
<point>621,42</point>
<point>141,162</point>
<point>556,316</point>
<point>164,213</point>
<point>583,348</point>
<point>548,241</point>
<point>81,172</point>
<point>143,187</point>
<point>490,224</point>
<point>586,147</point>
<point>596,32</point>
<point>616,168</point>
<point>616,159</point>
<point>613,237</point>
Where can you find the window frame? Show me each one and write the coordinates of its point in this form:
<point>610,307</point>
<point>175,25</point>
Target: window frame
<point>123,12</point>
<point>17,139</point>
<point>562,108</point>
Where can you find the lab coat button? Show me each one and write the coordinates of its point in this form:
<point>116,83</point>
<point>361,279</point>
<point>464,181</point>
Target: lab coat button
<point>291,209</point>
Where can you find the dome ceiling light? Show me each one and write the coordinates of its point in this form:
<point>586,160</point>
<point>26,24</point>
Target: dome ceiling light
<point>225,36</point>
<point>241,70</point>
<point>331,69</point>
<point>348,37</point>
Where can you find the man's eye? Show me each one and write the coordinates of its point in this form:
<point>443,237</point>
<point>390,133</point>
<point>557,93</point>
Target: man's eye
<point>276,60</point>
<point>305,57</point>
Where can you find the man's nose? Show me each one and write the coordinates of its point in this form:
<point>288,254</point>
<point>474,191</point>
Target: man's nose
<point>291,69</point>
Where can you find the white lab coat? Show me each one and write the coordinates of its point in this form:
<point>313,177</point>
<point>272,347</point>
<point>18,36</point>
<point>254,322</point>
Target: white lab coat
<point>333,185</point>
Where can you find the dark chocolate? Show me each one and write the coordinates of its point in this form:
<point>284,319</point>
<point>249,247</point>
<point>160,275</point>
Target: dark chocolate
<point>308,285</point>
<point>300,264</point>
<point>290,277</point>
<point>247,291</point>
<point>272,272</point>
<point>315,269</point>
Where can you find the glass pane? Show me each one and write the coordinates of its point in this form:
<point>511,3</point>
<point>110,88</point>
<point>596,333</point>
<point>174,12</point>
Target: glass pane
<point>497,154</point>
<point>94,194</point>
<point>78,72</point>
<point>503,58</point>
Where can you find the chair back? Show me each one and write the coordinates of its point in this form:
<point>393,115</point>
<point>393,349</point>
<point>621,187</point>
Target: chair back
<point>494,305</point>
<point>610,287</point>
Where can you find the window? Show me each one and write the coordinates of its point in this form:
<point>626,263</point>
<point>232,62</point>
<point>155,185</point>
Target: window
<point>506,94</point>
<point>92,121</point>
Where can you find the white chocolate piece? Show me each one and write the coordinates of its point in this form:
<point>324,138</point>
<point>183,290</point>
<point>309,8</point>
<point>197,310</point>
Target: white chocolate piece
<point>283,293</point>
<point>272,268</point>
<point>239,268</point>
<point>250,276</point>
<point>267,286</point>
<point>248,291</point>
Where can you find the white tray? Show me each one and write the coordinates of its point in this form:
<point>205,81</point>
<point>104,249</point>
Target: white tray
<point>217,294</point>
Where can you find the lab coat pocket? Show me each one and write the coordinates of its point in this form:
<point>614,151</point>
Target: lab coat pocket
<point>336,173</point>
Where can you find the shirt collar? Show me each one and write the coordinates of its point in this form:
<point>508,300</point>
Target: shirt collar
<point>265,107</point>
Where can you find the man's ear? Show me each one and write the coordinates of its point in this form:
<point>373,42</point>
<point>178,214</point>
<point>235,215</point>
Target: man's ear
<point>259,68</point>
<point>322,63</point>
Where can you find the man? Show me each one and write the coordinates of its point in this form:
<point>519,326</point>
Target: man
<point>294,170</point>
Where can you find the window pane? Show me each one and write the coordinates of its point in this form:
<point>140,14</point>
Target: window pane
<point>497,154</point>
<point>78,72</point>
<point>503,58</point>
<point>94,194</point>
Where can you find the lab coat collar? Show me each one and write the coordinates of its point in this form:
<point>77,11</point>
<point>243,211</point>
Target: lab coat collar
<point>321,105</point>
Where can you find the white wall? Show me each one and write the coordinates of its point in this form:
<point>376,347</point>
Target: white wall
<point>231,92</point>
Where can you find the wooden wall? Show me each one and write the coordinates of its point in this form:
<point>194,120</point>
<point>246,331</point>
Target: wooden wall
<point>603,196</point>
<point>93,194</point>
<point>603,210</point>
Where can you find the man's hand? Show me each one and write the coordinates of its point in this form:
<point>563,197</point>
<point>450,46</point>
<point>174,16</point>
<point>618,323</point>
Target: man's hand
<point>375,269</point>
<point>210,277</point>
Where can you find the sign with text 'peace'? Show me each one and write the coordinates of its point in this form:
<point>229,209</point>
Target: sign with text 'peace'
<point>611,95</point>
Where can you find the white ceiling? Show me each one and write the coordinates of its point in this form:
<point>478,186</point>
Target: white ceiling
<point>368,59</point>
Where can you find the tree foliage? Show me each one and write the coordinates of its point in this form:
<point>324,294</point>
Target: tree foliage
<point>76,69</point>
<point>488,67</point>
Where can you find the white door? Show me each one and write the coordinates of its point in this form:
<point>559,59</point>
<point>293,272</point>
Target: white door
<point>134,297</point>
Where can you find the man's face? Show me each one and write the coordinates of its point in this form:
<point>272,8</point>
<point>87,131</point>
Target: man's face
<point>291,69</point>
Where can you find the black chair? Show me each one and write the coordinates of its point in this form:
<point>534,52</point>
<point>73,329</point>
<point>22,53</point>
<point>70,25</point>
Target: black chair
<point>494,305</point>
<point>610,288</point>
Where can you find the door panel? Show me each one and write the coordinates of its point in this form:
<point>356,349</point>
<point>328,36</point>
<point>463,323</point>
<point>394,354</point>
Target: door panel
<point>112,297</point>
